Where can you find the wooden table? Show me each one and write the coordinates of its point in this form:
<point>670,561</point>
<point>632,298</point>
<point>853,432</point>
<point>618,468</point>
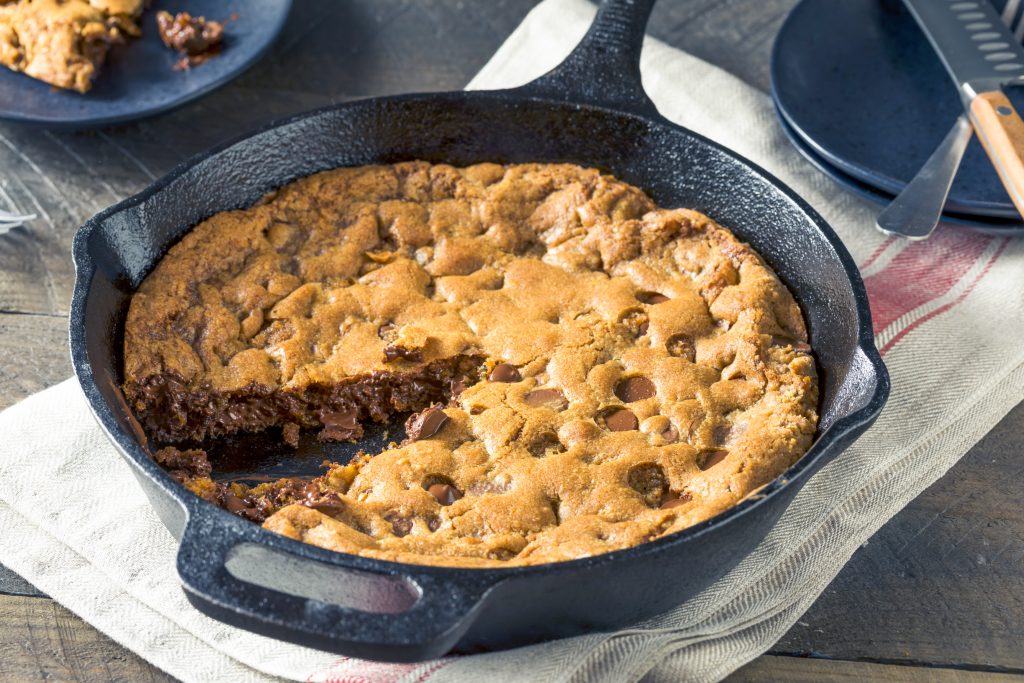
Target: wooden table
<point>937,593</point>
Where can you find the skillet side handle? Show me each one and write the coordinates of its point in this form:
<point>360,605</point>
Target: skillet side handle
<point>230,573</point>
<point>604,69</point>
<point>867,390</point>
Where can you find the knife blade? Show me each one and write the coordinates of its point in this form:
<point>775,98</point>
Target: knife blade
<point>981,56</point>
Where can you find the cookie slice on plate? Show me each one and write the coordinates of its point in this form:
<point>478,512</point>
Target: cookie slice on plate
<point>64,42</point>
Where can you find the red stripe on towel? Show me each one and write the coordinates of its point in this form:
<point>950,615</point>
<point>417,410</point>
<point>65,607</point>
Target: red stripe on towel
<point>921,273</point>
<point>878,251</point>
<point>952,304</point>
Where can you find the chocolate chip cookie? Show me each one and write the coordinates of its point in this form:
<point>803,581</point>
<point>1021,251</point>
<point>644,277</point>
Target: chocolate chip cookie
<point>586,371</point>
<point>64,42</point>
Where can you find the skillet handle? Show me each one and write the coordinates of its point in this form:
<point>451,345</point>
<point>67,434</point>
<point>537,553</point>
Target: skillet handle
<point>230,572</point>
<point>604,69</point>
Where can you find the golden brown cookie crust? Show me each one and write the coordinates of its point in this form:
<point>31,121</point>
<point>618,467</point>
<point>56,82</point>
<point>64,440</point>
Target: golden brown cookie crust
<point>64,42</point>
<point>640,369</point>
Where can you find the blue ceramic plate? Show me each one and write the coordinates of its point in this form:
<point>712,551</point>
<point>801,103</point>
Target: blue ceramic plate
<point>138,78</point>
<point>994,226</point>
<point>859,84</point>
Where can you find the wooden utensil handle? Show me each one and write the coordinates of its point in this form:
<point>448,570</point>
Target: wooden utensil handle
<point>1001,131</point>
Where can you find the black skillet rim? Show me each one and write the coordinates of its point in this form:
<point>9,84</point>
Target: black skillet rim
<point>822,446</point>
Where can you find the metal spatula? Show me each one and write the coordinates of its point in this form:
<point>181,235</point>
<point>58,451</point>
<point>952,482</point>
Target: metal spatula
<point>916,211</point>
<point>10,220</point>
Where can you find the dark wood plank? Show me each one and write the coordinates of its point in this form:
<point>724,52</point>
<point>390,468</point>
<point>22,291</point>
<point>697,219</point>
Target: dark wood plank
<point>736,35</point>
<point>42,178</point>
<point>770,669</point>
<point>33,354</point>
<point>42,641</point>
<point>941,582</point>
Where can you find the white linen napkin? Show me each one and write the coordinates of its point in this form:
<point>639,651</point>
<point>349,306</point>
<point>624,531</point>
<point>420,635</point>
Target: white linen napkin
<point>949,319</point>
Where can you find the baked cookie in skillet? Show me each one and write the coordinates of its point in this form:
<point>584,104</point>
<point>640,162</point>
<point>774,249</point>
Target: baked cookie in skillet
<point>586,371</point>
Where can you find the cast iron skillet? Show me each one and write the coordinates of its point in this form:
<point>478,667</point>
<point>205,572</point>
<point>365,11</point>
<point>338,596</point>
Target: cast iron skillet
<point>591,110</point>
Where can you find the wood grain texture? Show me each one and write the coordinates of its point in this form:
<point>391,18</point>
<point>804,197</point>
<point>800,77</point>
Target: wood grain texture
<point>736,35</point>
<point>33,354</point>
<point>771,669</point>
<point>42,641</point>
<point>1001,132</point>
<point>939,585</point>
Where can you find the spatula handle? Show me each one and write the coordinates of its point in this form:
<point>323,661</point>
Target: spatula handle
<point>1001,131</point>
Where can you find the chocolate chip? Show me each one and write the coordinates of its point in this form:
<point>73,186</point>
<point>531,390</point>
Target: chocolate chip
<point>708,459</point>
<point>194,37</point>
<point>670,434</point>
<point>400,524</point>
<point>340,426</point>
<point>651,298</point>
<point>634,389</point>
<point>190,462</point>
<point>290,434</point>
<point>310,490</point>
<point>457,386</point>
<point>635,320</point>
<point>648,479</point>
<point>393,352</point>
<point>620,420</point>
<point>545,444</point>
<point>446,494</point>
<point>264,509</point>
<point>329,504</point>
<point>504,372</point>
<point>672,500</point>
<point>425,424</point>
<point>242,508</point>
<point>433,523</point>
<point>385,330</point>
<point>502,554</point>
<point>345,419</point>
<point>681,346</point>
<point>234,504</point>
<point>553,398</point>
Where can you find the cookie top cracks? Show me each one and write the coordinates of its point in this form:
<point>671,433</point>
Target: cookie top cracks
<point>642,369</point>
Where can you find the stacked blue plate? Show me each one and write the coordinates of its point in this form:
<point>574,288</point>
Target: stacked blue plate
<point>863,96</point>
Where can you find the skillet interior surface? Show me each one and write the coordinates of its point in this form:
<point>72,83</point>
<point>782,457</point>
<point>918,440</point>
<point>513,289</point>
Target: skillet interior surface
<point>239,573</point>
